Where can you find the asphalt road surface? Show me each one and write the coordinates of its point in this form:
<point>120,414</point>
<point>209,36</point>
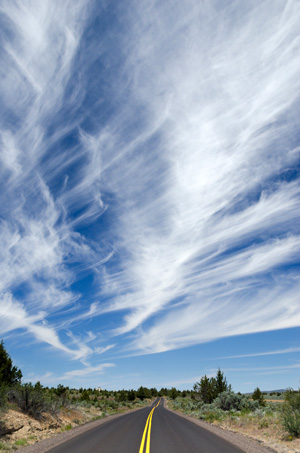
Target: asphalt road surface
<point>153,429</point>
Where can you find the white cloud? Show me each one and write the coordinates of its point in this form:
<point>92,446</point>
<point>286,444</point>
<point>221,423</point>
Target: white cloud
<point>88,371</point>
<point>258,354</point>
<point>200,238</point>
<point>73,377</point>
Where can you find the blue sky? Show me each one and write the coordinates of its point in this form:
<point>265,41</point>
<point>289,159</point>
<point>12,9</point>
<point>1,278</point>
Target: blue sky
<point>149,171</point>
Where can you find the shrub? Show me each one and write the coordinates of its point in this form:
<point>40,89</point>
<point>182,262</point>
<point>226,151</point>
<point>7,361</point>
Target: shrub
<point>210,416</point>
<point>62,393</point>
<point>210,412</point>
<point>263,424</point>
<point>291,421</point>
<point>85,396</point>
<point>292,399</point>
<point>29,399</point>
<point>122,396</point>
<point>229,400</point>
<point>113,405</point>
<point>291,413</point>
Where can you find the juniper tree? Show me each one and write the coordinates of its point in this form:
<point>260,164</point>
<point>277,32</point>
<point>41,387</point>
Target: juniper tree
<point>258,396</point>
<point>9,374</point>
<point>208,389</point>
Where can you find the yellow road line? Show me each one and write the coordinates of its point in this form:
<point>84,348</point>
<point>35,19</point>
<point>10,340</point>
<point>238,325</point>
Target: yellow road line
<point>147,431</point>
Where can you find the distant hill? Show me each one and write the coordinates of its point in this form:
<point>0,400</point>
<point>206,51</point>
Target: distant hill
<point>268,391</point>
<point>274,391</point>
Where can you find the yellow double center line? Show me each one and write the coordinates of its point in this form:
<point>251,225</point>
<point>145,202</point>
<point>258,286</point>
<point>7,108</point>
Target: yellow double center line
<point>147,432</point>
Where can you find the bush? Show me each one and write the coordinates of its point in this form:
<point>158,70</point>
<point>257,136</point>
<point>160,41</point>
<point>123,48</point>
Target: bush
<point>113,405</point>
<point>228,401</point>
<point>291,422</point>
<point>85,396</point>
<point>209,412</point>
<point>291,413</point>
<point>122,396</point>
<point>29,399</point>
<point>62,393</point>
<point>210,416</point>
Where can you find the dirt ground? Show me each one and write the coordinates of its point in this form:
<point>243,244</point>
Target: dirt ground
<point>18,430</point>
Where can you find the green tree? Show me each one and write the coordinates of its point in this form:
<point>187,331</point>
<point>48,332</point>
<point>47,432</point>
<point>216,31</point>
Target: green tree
<point>85,396</point>
<point>154,392</point>
<point>258,396</point>
<point>122,395</point>
<point>221,383</point>
<point>205,389</point>
<point>141,394</point>
<point>163,392</point>
<point>61,390</point>
<point>9,374</point>
<point>209,389</point>
<point>131,395</point>
<point>173,393</point>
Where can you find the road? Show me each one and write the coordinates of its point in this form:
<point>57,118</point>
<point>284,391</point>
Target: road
<point>153,429</point>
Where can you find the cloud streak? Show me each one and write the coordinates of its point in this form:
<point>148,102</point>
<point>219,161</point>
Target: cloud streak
<point>258,354</point>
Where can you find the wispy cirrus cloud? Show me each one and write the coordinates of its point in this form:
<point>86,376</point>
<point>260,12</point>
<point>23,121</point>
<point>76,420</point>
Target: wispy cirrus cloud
<point>150,172</point>
<point>258,354</point>
<point>208,190</point>
<point>38,46</point>
<point>73,375</point>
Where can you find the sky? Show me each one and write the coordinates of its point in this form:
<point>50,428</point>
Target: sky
<point>149,191</point>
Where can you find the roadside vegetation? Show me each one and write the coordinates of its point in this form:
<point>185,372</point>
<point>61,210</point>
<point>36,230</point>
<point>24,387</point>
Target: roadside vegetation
<point>51,410</point>
<point>273,418</point>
